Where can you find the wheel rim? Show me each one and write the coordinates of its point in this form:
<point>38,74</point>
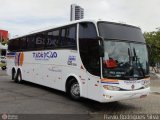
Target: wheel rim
<point>13,75</point>
<point>75,91</point>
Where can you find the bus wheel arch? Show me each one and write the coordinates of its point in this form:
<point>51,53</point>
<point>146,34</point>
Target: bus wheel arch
<point>73,88</point>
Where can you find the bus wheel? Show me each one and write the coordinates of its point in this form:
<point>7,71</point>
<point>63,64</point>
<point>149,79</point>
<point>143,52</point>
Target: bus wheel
<point>13,74</point>
<point>74,90</point>
<point>18,77</point>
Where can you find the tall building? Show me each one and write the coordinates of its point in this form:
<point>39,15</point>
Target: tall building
<point>3,35</point>
<point>77,12</point>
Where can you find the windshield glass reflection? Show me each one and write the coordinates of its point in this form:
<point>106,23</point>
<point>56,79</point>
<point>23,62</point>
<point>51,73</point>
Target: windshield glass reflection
<point>124,60</point>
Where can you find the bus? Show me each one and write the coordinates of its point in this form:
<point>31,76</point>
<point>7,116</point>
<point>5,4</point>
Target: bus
<point>99,60</point>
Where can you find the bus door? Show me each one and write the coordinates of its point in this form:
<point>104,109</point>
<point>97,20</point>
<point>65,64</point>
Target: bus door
<point>88,47</point>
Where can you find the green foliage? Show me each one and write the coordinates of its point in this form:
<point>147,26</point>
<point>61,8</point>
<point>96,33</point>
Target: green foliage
<point>153,42</point>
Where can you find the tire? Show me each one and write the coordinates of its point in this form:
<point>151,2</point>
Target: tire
<point>13,74</point>
<point>74,90</point>
<point>18,78</point>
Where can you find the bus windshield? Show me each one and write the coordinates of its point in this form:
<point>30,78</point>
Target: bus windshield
<point>125,51</point>
<point>125,60</point>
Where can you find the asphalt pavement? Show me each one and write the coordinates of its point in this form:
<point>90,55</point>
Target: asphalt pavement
<point>29,98</point>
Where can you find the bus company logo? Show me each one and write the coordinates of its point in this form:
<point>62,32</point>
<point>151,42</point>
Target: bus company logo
<point>19,59</point>
<point>71,60</point>
<point>11,55</point>
<point>44,55</point>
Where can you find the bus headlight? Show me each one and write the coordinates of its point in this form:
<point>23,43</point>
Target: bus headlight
<point>107,87</point>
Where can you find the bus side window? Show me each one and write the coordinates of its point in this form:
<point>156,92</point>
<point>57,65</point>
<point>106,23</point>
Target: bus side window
<point>63,42</point>
<point>68,37</point>
<point>89,48</point>
<point>52,39</point>
<point>10,45</point>
<point>15,45</point>
<point>31,42</point>
<point>87,30</point>
<point>23,43</point>
<point>40,41</point>
<point>71,36</point>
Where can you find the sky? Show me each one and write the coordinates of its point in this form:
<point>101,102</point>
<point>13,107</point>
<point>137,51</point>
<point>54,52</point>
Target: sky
<point>23,16</point>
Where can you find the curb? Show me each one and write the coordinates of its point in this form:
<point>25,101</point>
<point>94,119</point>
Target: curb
<point>155,92</point>
<point>3,75</point>
<point>158,75</point>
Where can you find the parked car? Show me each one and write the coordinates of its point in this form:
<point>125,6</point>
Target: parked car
<point>3,62</point>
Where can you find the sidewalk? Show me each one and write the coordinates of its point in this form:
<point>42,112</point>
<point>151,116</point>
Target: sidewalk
<point>155,82</point>
<point>2,72</point>
<point>155,90</point>
<point>158,75</point>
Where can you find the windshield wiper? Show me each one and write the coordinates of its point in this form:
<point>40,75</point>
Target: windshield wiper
<point>135,58</point>
<point>134,67</point>
<point>130,57</point>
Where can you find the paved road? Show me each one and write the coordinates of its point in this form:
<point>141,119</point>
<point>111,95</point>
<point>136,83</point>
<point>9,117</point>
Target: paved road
<point>2,72</point>
<point>28,98</point>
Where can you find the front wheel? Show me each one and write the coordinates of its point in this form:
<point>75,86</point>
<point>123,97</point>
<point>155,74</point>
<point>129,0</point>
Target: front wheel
<point>74,90</point>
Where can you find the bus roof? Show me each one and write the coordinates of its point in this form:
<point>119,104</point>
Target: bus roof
<point>70,23</point>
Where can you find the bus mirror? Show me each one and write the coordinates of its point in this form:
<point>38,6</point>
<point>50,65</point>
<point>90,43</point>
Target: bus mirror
<point>101,47</point>
<point>98,47</point>
<point>101,51</point>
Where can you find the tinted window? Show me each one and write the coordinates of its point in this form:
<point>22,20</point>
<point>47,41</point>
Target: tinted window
<point>10,45</point>
<point>15,45</point>
<point>120,32</point>
<point>68,37</point>
<point>87,30</point>
<point>31,42</point>
<point>89,48</point>
<point>40,40</point>
<point>63,38</point>
<point>23,43</point>
<point>71,36</point>
<point>52,39</point>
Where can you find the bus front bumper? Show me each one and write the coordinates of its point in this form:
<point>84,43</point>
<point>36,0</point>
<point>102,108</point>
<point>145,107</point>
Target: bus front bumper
<point>111,96</point>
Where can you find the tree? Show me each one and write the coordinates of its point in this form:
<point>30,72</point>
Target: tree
<point>153,43</point>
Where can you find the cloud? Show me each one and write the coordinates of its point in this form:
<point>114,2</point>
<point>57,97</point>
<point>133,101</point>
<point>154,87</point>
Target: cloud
<point>21,16</point>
